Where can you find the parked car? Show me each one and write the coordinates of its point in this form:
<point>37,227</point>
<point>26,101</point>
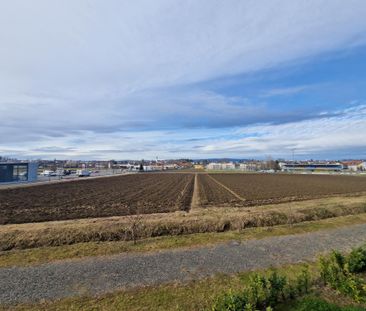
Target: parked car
<point>83,173</point>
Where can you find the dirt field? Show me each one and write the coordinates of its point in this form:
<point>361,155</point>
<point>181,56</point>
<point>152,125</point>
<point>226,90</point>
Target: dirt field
<point>112,196</point>
<point>274,188</point>
<point>211,193</point>
<point>164,193</point>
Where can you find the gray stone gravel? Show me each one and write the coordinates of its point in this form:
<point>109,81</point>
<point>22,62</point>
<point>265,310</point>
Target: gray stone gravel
<point>105,274</point>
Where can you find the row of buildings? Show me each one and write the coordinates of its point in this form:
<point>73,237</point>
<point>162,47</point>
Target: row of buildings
<point>287,166</point>
<point>18,171</point>
<point>12,170</point>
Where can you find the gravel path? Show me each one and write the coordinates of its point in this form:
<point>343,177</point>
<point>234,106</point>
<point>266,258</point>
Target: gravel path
<point>105,274</point>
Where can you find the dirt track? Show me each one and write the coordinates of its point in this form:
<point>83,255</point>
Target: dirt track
<point>105,274</point>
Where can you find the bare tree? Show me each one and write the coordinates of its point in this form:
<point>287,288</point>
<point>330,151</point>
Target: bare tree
<point>135,223</point>
<point>271,164</point>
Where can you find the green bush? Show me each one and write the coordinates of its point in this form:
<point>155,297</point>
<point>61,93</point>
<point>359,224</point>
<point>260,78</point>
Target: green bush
<point>303,281</point>
<point>277,289</point>
<point>261,293</point>
<point>335,272</point>
<point>357,260</point>
<point>257,292</point>
<point>230,302</point>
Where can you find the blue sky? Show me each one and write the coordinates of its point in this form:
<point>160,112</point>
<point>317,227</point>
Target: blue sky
<point>199,79</point>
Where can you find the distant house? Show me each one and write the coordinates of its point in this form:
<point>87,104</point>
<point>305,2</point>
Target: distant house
<point>228,166</point>
<point>363,166</point>
<point>354,166</point>
<point>214,166</point>
<point>250,166</point>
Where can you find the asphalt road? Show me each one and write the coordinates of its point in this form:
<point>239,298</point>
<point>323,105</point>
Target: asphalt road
<point>106,274</point>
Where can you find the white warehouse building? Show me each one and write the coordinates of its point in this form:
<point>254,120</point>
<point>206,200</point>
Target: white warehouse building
<point>220,166</point>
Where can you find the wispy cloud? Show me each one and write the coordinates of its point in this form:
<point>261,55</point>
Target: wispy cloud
<point>342,134</point>
<point>285,91</point>
<point>84,75</point>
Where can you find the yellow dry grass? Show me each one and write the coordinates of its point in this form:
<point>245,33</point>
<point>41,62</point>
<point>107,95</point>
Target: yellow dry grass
<point>199,220</point>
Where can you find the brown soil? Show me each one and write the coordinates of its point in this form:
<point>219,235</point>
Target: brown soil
<point>150,193</point>
<point>211,193</point>
<point>257,189</point>
<point>112,196</point>
<point>199,220</point>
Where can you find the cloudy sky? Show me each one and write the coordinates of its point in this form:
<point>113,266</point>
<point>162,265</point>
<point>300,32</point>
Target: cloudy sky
<point>95,79</point>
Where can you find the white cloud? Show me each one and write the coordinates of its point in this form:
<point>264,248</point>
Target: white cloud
<point>79,69</point>
<point>285,91</point>
<point>342,134</point>
<point>129,45</point>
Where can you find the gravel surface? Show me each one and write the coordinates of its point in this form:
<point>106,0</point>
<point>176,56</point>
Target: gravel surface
<point>105,274</point>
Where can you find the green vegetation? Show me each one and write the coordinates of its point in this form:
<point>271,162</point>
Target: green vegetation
<point>340,273</point>
<point>317,304</point>
<point>264,293</point>
<point>337,271</point>
<point>195,295</point>
<point>290,288</point>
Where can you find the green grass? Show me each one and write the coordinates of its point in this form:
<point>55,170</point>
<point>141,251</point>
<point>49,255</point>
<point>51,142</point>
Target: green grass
<point>312,303</point>
<point>197,295</point>
<point>48,254</point>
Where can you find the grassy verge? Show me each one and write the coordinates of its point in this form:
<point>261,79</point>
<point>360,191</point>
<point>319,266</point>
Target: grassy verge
<point>196,295</point>
<point>47,254</point>
<point>317,302</point>
<point>57,233</point>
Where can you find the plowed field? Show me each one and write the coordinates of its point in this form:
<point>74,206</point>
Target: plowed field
<point>211,193</point>
<point>163,193</point>
<point>274,188</point>
<point>112,196</point>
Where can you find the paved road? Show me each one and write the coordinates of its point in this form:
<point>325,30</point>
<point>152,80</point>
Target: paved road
<point>104,274</point>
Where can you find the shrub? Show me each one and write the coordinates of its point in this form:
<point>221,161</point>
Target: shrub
<point>257,292</point>
<point>230,302</point>
<point>303,281</point>
<point>357,260</point>
<point>334,271</point>
<point>261,293</point>
<point>277,288</point>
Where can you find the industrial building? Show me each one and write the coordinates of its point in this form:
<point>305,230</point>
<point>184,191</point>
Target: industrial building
<point>220,166</point>
<point>250,166</point>
<point>18,172</point>
<point>311,167</point>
